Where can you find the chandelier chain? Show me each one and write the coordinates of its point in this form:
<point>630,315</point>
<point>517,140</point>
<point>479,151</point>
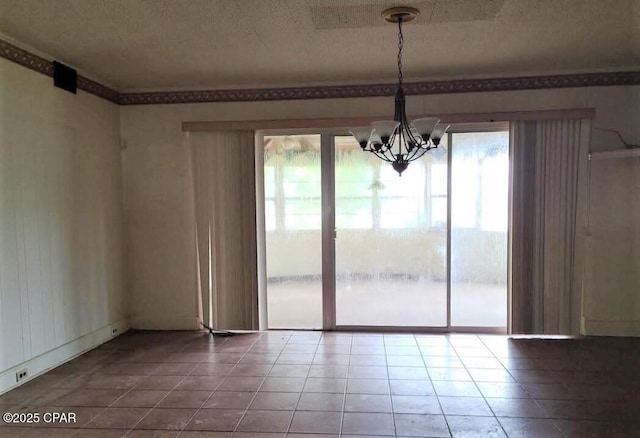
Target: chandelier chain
<point>400,44</point>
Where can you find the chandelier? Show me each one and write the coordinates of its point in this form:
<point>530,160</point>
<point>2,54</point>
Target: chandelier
<point>399,141</point>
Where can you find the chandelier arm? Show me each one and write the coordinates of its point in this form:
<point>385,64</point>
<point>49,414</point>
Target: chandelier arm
<point>389,156</point>
<point>392,139</point>
<point>406,138</point>
<point>381,156</point>
<point>412,155</point>
<point>416,154</point>
<point>417,142</point>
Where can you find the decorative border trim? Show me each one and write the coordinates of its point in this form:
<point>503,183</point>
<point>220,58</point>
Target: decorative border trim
<point>36,63</point>
<point>98,89</point>
<point>26,59</point>
<point>414,88</point>
<point>41,65</point>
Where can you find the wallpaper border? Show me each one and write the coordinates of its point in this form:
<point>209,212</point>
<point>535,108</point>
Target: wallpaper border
<point>41,65</point>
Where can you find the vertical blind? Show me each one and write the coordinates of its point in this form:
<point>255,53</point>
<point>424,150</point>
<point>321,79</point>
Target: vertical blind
<point>223,167</point>
<point>549,186</point>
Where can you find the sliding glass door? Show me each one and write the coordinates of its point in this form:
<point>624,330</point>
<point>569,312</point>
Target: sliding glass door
<point>427,249</point>
<point>293,231</point>
<point>479,225</point>
<point>391,240</point>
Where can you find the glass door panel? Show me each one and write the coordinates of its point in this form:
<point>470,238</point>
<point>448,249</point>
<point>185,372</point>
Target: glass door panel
<point>479,225</point>
<point>293,225</point>
<point>391,239</point>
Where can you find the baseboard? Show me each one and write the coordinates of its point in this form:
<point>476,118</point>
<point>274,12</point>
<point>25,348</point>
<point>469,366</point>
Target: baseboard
<point>46,361</point>
<point>156,322</point>
<point>612,328</point>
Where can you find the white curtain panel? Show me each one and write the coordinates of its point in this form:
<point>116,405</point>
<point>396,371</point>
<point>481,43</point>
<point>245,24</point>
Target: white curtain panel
<point>549,159</point>
<point>223,166</point>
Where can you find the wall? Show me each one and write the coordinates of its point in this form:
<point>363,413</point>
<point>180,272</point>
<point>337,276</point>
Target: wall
<point>613,242</point>
<point>61,278</point>
<point>611,303</point>
<point>158,202</point>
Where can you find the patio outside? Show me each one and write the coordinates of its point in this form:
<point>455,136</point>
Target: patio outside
<point>298,304</point>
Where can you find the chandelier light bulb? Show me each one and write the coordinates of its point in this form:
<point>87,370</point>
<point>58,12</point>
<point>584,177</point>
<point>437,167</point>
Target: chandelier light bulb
<point>375,138</point>
<point>438,133</point>
<point>425,126</point>
<point>362,135</point>
<point>385,129</point>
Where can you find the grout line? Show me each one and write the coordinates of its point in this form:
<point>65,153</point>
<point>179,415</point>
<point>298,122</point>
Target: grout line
<point>226,340</point>
<point>113,358</point>
<point>93,371</point>
<point>303,385</point>
<point>235,429</point>
<point>533,399</point>
<point>393,416</point>
<point>168,391</point>
<point>437,396</point>
<point>478,388</point>
<point>346,388</point>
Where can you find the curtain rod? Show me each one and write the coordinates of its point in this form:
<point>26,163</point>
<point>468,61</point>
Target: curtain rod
<point>324,123</point>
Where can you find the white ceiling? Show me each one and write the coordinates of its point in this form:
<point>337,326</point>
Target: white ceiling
<point>170,44</point>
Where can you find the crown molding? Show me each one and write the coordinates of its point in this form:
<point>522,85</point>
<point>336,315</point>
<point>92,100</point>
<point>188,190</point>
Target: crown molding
<point>44,66</point>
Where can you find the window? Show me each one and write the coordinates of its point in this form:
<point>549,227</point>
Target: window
<point>463,179</point>
<point>356,185</point>
<point>292,182</point>
<point>480,171</point>
<point>402,200</point>
<point>369,193</point>
<point>495,193</point>
<point>302,198</point>
<point>270,198</point>
<point>438,195</point>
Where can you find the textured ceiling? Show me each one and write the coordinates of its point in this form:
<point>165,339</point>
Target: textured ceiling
<point>170,44</point>
<point>351,15</point>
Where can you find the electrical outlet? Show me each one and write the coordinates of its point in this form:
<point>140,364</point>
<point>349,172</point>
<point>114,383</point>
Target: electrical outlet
<point>114,331</point>
<point>21,375</point>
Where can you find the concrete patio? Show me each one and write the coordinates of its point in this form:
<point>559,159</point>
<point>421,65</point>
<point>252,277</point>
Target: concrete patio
<point>410,303</point>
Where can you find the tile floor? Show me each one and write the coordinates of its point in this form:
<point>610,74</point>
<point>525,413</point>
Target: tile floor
<point>315,385</point>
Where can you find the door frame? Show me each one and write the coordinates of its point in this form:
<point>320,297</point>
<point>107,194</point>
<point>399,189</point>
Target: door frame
<point>328,186</point>
<point>469,128</point>
<point>327,166</point>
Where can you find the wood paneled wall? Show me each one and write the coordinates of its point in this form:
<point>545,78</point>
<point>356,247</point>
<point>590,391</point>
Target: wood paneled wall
<point>61,260</point>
